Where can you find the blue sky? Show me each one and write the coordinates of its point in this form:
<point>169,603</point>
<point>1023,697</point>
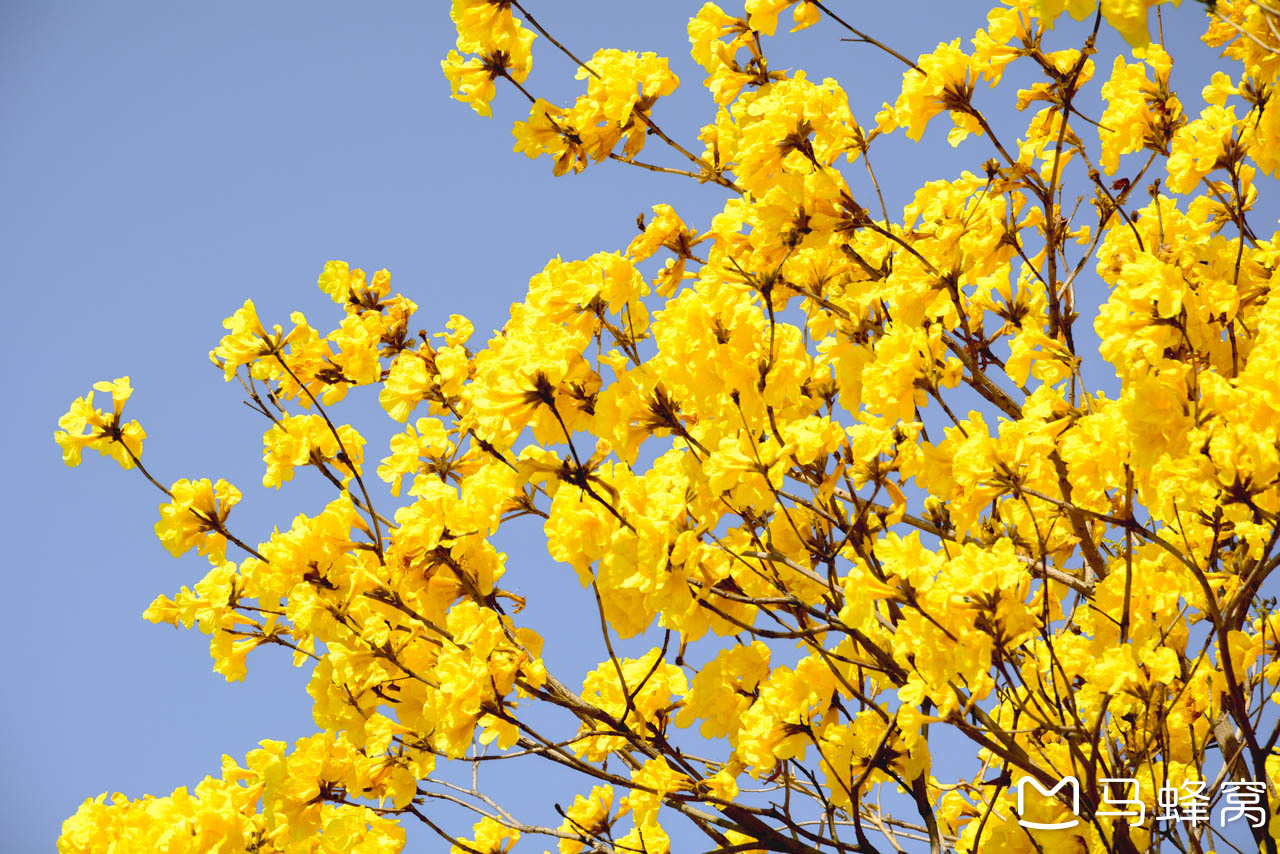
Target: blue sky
<point>162,162</point>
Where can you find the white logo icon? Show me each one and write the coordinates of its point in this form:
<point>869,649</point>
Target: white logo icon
<point>1075,802</point>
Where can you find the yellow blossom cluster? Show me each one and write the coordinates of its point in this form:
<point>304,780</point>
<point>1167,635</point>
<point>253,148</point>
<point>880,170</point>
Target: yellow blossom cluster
<point>280,800</point>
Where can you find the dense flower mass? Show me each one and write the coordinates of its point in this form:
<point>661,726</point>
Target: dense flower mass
<point>844,472</point>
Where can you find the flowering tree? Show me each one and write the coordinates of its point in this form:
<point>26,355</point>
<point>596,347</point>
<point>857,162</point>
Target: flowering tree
<point>841,467</point>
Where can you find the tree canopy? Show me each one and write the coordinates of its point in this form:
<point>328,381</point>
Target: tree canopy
<point>907,580</point>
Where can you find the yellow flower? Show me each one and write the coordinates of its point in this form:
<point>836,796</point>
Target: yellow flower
<point>196,516</point>
<point>481,23</point>
<point>587,817</point>
<point>722,690</point>
<point>247,343</point>
<point>491,837</point>
<point>944,82</point>
<point>507,54</point>
<point>106,434</point>
<point>656,779</point>
<point>1129,17</point>
<point>1199,147</point>
<point>297,440</point>
<point>1141,112</point>
<point>762,15</point>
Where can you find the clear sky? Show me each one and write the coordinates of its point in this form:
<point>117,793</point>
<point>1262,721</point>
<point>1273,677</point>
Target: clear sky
<point>160,163</point>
